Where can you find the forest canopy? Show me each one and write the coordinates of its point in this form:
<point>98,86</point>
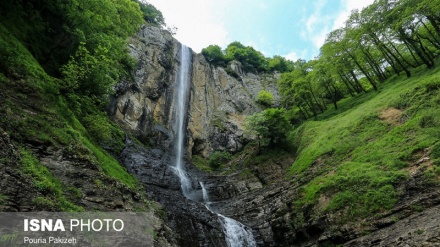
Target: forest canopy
<point>384,39</point>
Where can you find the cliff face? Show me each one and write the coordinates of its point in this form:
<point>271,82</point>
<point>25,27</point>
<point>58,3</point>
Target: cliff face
<point>261,199</point>
<point>217,107</point>
<point>218,102</point>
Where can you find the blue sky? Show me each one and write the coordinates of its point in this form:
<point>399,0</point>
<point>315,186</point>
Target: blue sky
<point>290,28</point>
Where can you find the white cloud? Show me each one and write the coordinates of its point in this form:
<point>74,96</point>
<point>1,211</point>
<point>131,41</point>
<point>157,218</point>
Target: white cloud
<point>348,7</point>
<point>194,21</point>
<point>295,55</point>
<point>317,25</point>
<point>320,23</point>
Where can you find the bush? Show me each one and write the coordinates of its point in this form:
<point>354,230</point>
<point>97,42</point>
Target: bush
<point>427,121</point>
<point>265,98</point>
<point>219,158</point>
<point>104,132</point>
<point>214,55</point>
<point>435,152</point>
<point>270,126</point>
<point>432,83</point>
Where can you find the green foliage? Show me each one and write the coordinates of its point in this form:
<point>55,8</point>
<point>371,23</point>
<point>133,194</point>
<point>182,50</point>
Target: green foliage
<point>151,14</point>
<point>219,158</point>
<point>46,184</point>
<point>105,132</point>
<point>270,126</point>
<point>201,163</point>
<point>3,199</point>
<point>214,55</point>
<point>280,64</point>
<point>432,84</point>
<point>401,34</point>
<point>83,45</point>
<point>435,151</point>
<point>109,165</point>
<point>359,189</point>
<point>356,158</point>
<point>265,98</point>
<point>17,61</point>
<point>251,60</point>
<point>8,239</point>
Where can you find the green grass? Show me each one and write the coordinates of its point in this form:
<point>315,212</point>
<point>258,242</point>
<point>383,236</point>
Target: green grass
<point>37,113</point>
<point>110,165</point>
<point>50,187</point>
<point>357,158</point>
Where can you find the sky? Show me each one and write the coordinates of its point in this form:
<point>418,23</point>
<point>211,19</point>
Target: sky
<point>291,28</point>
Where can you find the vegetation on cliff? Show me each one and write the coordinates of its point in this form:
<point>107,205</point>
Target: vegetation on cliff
<point>250,59</point>
<point>355,160</point>
<point>380,75</point>
<point>59,63</point>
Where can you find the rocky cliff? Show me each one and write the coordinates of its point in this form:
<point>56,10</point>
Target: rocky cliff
<point>218,105</point>
<point>218,102</point>
<point>260,197</point>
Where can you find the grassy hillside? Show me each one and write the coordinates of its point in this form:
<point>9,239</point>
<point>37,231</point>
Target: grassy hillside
<point>38,118</point>
<point>354,160</point>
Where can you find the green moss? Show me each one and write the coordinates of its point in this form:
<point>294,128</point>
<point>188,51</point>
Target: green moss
<point>219,158</point>
<point>3,199</point>
<point>201,163</point>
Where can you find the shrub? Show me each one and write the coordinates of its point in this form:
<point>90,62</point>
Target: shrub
<point>214,55</point>
<point>270,126</point>
<point>219,158</point>
<point>435,152</point>
<point>265,98</point>
<point>432,83</point>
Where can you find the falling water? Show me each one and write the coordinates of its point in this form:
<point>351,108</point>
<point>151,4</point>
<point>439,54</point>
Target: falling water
<point>237,235</point>
<point>180,110</point>
<point>204,193</point>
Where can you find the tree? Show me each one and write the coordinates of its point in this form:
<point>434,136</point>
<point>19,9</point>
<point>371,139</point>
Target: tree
<point>270,126</point>
<point>151,14</point>
<point>280,64</point>
<point>251,59</point>
<point>214,55</point>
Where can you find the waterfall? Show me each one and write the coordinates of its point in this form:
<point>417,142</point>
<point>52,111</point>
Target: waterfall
<point>237,234</point>
<point>204,193</point>
<point>182,88</point>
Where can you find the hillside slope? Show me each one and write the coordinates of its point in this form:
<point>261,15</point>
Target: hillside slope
<point>371,163</point>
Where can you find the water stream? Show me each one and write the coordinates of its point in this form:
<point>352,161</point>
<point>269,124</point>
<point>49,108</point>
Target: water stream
<point>236,234</point>
<point>179,124</point>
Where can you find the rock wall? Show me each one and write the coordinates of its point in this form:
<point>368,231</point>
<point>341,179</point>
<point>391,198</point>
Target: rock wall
<point>262,200</point>
<point>218,102</point>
